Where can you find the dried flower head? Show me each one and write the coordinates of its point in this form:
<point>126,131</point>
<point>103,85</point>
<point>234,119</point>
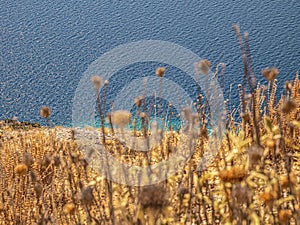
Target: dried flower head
<point>233,175</point>
<point>56,160</point>
<point>153,196</point>
<point>204,66</point>
<point>268,196</point>
<point>27,159</point>
<point>284,215</point>
<point>246,117</point>
<point>121,118</point>
<point>45,112</point>
<point>160,71</point>
<point>38,188</point>
<point>21,168</point>
<point>289,106</point>
<point>288,85</point>
<point>69,208</point>
<point>97,82</point>
<point>86,195</point>
<point>270,73</point>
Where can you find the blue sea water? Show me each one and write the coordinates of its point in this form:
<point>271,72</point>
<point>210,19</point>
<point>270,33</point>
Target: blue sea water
<point>46,46</point>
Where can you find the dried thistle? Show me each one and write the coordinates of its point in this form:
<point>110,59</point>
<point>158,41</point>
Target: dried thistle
<point>289,106</point>
<point>27,159</point>
<point>38,188</point>
<point>97,82</point>
<point>153,196</point>
<point>233,175</point>
<point>56,160</point>
<point>69,208</point>
<point>160,71</point>
<point>204,66</point>
<point>21,168</point>
<point>121,118</point>
<point>270,73</point>
<point>45,112</point>
<point>86,195</point>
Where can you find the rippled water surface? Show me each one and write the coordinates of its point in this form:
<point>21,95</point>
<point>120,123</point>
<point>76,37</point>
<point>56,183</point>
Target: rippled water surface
<point>46,46</point>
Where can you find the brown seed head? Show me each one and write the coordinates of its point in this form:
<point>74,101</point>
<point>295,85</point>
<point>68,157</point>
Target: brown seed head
<point>288,85</point>
<point>69,208</point>
<point>289,106</point>
<point>45,112</point>
<point>21,168</point>
<point>38,188</point>
<point>121,118</point>
<point>204,66</point>
<point>270,73</point>
<point>153,196</point>
<point>233,175</point>
<point>97,82</point>
<point>160,71</point>
<point>268,196</point>
<point>27,159</point>
<point>86,195</point>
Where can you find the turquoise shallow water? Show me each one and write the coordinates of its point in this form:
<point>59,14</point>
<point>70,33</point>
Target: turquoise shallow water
<point>46,46</point>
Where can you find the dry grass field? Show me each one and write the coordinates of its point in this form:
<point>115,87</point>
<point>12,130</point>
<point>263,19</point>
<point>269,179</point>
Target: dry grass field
<point>254,178</point>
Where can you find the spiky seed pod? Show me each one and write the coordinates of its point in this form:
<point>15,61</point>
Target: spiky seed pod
<point>268,196</point>
<point>38,188</point>
<point>86,195</point>
<point>46,161</point>
<point>56,160</point>
<point>270,73</point>
<point>21,168</point>
<point>289,106</point>
<point>97,82</point>
<point>33,176</point>
<point>121,118</point>
<point>69,208</point>
<point>204,66</point>
<point>27,159</point>
<point>160,71</point>
<point>153,196</point>
<point>45,112</point>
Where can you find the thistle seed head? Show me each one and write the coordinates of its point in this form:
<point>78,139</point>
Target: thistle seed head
<point>160,71</point>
